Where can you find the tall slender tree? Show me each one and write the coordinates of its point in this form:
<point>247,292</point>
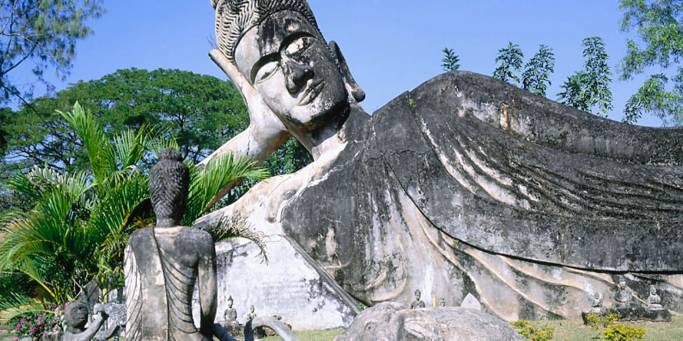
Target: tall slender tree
<point>450,60</point>
<point>43,34</point>
<point>510,60</point>
<point>659,47</point>
<point>589,89</point>
<point>537,72</point>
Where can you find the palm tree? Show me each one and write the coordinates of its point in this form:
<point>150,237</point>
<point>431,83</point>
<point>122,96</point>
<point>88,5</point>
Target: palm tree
<point>80,222</point>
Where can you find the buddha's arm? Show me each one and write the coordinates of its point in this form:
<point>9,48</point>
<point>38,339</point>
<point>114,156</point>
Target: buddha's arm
<point>207,285</point>
<point>254,143</point>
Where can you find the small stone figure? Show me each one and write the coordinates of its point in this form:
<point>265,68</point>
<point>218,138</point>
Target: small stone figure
<point>654,302</point>
<point>624,297</point>
<point>418,303</point>
<point>230,322</point>
<point>75,319</point>
<point>596,304</point>
<point>597,307</point>
<point>442,302</point>
<point>251,314</point>
<point>230,314</point>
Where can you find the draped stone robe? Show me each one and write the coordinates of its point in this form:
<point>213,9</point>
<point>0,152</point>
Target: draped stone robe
<point>470,185</point>
<point>160,279</point>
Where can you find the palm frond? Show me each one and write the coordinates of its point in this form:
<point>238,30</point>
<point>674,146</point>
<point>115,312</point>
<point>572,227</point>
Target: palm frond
<point>237,227</point>
<point>207,182</point>
<point>13,305</point>
<point>156,145</point>
<point>130,146</point>
<point>115,211</point>
<point>100,152</point>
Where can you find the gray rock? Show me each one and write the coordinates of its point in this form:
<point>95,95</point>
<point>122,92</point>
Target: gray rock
<point>393,322</point>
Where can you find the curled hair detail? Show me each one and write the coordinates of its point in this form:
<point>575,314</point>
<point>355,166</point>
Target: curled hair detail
<point>235,17</point>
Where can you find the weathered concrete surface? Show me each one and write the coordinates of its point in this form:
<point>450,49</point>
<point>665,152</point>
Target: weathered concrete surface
<point>288,285</point>
<point>393,322</point>
<point>469,185</point>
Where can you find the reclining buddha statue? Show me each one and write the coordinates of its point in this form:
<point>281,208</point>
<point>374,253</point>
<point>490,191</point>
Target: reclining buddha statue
<point>465,185</point>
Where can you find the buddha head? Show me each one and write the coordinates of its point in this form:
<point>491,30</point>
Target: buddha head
<point>230,302</point>
<point>418,294</point>
<point>277,49</point>
<point>169,182</point>
<point>653,290</point>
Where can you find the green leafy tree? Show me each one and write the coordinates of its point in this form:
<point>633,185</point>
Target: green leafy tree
<point>78,227</point>
<point>537,72</point>
<point>450,60</point>
<point>201,112</point>
<point>589,88</point>
<point>510,60</point>
<point>659,27</point>
<point>42,34</point>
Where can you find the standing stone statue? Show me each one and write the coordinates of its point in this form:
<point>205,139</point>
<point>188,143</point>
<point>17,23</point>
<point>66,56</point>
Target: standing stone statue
<point>495,188</point>
<point>418,303</point>
<point>251,315</point>
<point>164,263</point>
<point>75,320</point>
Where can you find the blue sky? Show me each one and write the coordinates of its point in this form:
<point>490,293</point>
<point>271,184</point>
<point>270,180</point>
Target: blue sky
<point>391,45</point>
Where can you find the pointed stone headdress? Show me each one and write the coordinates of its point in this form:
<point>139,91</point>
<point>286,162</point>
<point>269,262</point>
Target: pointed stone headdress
<point>235,17</point>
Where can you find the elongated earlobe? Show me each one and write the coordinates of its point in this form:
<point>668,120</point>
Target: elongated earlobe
<point>356,92</point>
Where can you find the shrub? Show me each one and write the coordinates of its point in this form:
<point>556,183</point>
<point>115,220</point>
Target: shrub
<point>623,332</point>
<point>597,321</point>
<point>533,333</point>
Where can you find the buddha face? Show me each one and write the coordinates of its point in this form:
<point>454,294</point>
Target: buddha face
<point>287,61</point>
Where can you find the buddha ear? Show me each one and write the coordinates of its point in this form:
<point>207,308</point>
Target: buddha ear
<point>357,93</point>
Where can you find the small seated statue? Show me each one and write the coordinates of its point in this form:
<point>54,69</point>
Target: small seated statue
<point>624,297</point>
<point>418,303</point>
<point>230,322</point>
<point>442,302</point>
<point>230,314</point>
<point>596,304</point>
<point>597,307</point>
<point>75,320</point>
<point>654,302</point>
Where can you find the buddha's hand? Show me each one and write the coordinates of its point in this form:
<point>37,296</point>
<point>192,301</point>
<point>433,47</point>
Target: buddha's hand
<point>263,122</point>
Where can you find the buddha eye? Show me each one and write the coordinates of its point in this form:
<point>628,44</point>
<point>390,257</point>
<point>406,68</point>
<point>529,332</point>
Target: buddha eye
<point>266,71</point>
<point>298,46</point>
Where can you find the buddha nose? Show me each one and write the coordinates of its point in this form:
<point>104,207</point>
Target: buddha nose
<point>298,75</point>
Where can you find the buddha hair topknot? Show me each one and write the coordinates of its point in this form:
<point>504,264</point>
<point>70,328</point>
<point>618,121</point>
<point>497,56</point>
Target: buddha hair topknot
<point>235,17</point>
<point>169,182</point>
